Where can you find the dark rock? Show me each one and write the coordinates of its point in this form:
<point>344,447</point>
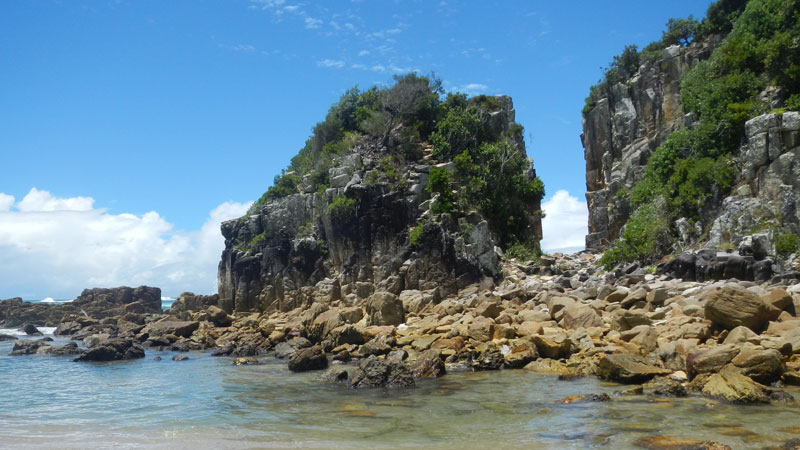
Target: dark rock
<point>336,376</point>
<point>6,337</point>
<point>177,328</point>
<point>380,345</point>
<point>68,349</point>
<point>491,359</point>
<point>179,357</point>
<point>792,444</point>
<point>245,361</point>
<point>113,350</point>
<point>157,358</point>
<point>312,358</point>
<point>429,364</point>
<point>27,347</point>
<point>288,348</point>
<point>374,372</point>
<point>598,397</point>
<point>667,387</point>
<point>30,330</point>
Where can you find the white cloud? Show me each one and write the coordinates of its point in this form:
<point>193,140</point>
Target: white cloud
<point>312,23</point>
<point>6,201</point>
<point>331,63</point>
<point>363,53</point>
<point>37,200</point>
<point>58,252</point>
<point>472,88</point>
<point>565,223</point>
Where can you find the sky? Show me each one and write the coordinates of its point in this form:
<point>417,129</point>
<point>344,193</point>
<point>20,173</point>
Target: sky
<point>130,129</point>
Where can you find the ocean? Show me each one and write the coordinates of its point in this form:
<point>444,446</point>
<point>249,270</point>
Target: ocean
<point>207,402</point>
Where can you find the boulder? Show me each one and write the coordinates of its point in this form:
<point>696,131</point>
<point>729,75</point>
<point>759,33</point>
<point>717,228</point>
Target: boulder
<point>173,327</point>
<point>481,329</point>
<point>218,317</point>
<point>30,329</point>
<point>553,346</point>
<point>580,316</point>
<point>520,356</point>
<point>7,337</point>
<point>627,368</point>
<point>374,372</point>
<point>312,358</point>
<point>113,350</point>
<point>764,366</point>
<point>28,347</point>
<point>288,348</point>
<point>731,386</point>
<point>730,307</point>
<point>380,345</point>
<point>711,360</point>
<point>385,308</point>
<point>428,364</point>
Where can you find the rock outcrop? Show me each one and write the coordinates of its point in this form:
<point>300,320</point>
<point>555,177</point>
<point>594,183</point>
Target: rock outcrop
<point>623,129</point>
<point>297,250</point>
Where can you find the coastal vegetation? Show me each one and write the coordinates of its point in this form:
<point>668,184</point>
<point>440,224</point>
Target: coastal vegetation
<point>490,171</point>
<point>690,173</point>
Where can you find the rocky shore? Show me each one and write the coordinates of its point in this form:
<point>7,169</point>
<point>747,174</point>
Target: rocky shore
<point>728,340</point>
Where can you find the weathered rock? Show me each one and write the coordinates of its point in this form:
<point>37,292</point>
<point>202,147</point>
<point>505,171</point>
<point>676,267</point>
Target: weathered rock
<point>312,358</point>
<point>30,330</point>
<point>731,307</point>
<point>711,360</point>
<point>218,317</point>
<point>176,328</point>
<point>553,346</point>
<point>7,337</point>
<point>428,364</point>
<point>627,368</point>
<point>288,348</point>
<point>113,350</point>
<point>28,347</point>
<point>660,442</point>
<point>580,316</point>
<point>385,308</point>
<point>373,372</point>
<point>764,366</point>
<point>734,387</point>
<point>380,345</point>
<point>520,356</point>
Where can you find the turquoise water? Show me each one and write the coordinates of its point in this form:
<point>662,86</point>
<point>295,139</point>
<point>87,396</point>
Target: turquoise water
<point>207,402</point>
<point>166,302</point>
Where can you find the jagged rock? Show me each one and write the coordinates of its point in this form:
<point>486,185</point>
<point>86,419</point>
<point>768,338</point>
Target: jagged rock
<point>373,372</point>
<point>627,368</point>
<point>520,356</point>
<point>30,330</point>
<point>113,350</point>
<point>28,347</point>
<point>312,358</point>
<point>288,348</point>
<point>428,364</point>
<point>7,337</point>
<point>764,366</point>
<point>380,345</point>
<point>553,346</point>
<point>731,307</point>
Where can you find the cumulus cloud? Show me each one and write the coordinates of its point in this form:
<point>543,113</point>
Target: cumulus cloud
<point>56,247</point>
<point>565,223</point>
<point>37,200</point>
<point>6,201</point>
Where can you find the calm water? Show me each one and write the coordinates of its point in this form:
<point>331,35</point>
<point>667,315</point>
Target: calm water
<point>206,402</point>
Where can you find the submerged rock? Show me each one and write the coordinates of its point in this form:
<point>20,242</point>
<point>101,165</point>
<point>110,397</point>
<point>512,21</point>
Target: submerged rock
<point>113,350</point>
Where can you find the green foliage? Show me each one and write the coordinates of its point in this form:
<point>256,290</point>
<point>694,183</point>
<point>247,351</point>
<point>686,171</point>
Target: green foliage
<point>305,230</point>
<point>254,244</point>
<point>440,182</point>
<point>645,238</point>
<point>787,243</point>
<point>416,233</point>
<point>342,209</point>
<point>523,251</point>
<point>679,32</point>
<point>793,102</point>
<point>458,130</point>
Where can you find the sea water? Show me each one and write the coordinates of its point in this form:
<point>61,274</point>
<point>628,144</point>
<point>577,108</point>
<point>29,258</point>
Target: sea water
<point>207,402</point>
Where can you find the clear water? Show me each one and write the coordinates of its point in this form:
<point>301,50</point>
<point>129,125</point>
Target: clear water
<point>207,402</point>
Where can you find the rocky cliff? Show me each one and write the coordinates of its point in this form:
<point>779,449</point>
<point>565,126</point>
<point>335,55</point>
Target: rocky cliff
<point>370,229</point>
<point>623,129</point>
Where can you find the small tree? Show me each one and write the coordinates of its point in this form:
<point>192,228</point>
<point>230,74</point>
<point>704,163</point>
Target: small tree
<point>679,32</point>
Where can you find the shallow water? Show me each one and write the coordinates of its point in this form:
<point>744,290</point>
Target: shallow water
<point>207,402</point>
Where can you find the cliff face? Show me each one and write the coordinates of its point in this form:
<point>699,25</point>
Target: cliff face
<point>623,129</point>
<point>303,248</point>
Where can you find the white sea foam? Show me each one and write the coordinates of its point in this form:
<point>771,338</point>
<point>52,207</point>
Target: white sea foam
<point>48,300</point>
<point>18,332</point>
<point>166,298</point>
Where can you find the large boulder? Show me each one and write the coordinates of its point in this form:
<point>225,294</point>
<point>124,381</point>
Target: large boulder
<point>312,358</point>
<point>374,372</point>
<point>428,364</point>
<point>731,386</point>
<point>177,328</point>
<point>385,308</point>
<point>730,307</point>
<point>580,316</point>
<point>711,360</point>
<point>113,350</point>
<point>627,368</point>
<point>764,366</point>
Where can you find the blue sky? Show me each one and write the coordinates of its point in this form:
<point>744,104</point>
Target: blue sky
<point>187,109</point>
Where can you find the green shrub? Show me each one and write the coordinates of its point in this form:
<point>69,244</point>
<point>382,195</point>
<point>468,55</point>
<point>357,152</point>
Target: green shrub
<point>253,244</point>
<point>342,209</point>
<point>787,243</point>
<point>645,238</point>
<point>416,233</point>
<point>523,251</point>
